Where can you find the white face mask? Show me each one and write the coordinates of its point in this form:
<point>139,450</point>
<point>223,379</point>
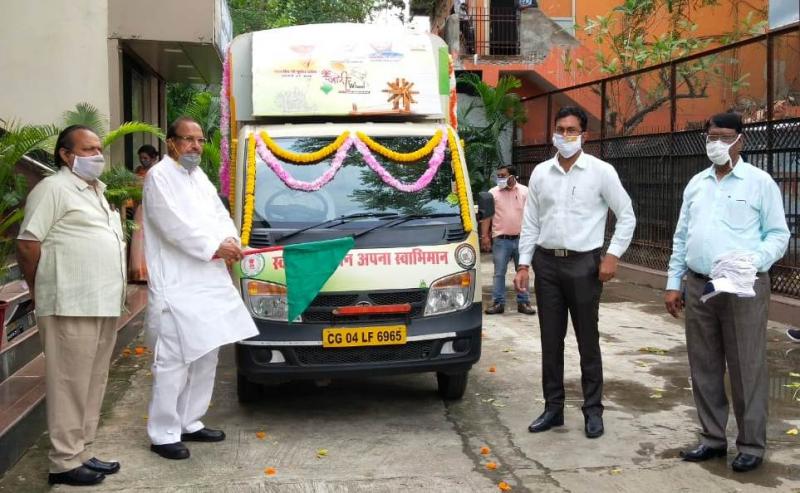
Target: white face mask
<point>89,167</point>
<point>567,146</point>
<point>502,182</point>
<point>719,152</point>
<point>189,161</point>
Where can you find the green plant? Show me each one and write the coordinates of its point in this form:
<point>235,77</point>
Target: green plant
<point>16,141</point>
<point>86,114</point>
<point>502,109</point>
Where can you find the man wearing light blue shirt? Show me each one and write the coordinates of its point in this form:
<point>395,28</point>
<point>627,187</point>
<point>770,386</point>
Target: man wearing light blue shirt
<point>729,207</point>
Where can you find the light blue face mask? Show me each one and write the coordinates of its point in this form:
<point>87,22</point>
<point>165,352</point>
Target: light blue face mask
<point>502,182</point>
<point>189,161</point>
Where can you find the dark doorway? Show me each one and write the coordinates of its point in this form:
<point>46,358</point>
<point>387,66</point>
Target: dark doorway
<point>504,28</point>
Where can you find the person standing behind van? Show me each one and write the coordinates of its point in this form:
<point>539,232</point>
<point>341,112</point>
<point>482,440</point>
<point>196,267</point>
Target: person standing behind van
<point>509,202</point>
<point>72,253</point>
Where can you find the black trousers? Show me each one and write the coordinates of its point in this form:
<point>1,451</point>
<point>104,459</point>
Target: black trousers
<point>569,285</point>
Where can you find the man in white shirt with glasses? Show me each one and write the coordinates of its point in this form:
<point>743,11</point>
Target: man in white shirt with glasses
<point>562,237</point>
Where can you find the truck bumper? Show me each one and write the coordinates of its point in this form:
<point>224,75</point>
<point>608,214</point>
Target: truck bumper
<point>449,343</point>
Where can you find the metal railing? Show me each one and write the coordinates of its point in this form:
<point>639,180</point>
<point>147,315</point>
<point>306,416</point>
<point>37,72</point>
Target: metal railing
<point>649,125</point>
<point>489,31</point>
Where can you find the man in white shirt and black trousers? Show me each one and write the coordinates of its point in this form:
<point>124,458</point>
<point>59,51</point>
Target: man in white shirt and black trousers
<point>562,236</point>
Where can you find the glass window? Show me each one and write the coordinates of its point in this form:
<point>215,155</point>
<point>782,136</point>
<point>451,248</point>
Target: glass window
<point>354,189</point>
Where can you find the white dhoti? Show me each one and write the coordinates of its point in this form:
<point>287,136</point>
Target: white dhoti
<point>181,391</point>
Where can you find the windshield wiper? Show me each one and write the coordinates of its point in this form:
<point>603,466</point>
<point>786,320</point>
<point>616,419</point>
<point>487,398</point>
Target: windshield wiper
<point>403,218</point>
<point>336,222</point>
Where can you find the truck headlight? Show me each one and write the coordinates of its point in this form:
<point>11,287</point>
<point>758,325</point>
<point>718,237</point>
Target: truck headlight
<point>451,293</point>
<point>266,299</point>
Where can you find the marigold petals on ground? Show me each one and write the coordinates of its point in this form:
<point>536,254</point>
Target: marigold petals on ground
<point>270,471</point>
<point>485,450</point>
<point>323,452</point>
<point>491,466</point>
<point>261,435</point>
<point>793,431</point>
<point>492,369</point>
<point>139,350</point>
<point>504,486</point>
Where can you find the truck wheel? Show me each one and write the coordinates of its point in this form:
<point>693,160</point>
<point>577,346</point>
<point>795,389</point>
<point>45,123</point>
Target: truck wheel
<point>452,385</point>
<point>246,390</point>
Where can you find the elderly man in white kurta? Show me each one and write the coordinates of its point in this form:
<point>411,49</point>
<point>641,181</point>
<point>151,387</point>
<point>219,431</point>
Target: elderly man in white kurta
<point>193,307</point>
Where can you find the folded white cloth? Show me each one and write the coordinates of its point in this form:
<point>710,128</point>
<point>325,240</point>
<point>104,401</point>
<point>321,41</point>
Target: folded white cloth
<point>732,272</point>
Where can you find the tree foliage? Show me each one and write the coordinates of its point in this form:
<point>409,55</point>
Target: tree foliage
<point>626,33</point>
<point>502,109</point>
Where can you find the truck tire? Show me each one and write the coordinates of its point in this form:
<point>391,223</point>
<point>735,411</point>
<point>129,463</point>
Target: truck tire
<point>452,385</point>
<point>246,390</point>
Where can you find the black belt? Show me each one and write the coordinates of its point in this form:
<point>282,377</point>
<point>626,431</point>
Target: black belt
<point>563,252</point>
<point>700,276</point>
<point>507,237</point>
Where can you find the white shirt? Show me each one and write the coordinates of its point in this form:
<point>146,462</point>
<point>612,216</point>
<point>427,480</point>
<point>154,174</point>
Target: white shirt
<point>184,224</point>
<point>569,209</point>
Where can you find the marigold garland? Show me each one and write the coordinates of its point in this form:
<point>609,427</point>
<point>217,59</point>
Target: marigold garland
<point>305,158</point>
<point>461,188</point>
<point>250,173</point>
<point>403,157</point>
<point>250,186</point>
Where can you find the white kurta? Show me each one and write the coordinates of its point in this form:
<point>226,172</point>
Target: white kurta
<point>184,224</point>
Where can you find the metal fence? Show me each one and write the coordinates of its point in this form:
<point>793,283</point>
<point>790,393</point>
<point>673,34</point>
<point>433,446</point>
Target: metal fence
<point>648,124</point>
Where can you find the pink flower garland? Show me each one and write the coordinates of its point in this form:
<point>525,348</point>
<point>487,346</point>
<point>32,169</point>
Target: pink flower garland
<point>225,127</point>
<point>275,165</point>
<point>421,183</point>
<point>306,186</point>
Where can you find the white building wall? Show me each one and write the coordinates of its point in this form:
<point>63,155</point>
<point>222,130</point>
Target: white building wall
<point>53,55</point>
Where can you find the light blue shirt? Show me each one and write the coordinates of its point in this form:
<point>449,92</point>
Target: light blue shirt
<point>743,211</point>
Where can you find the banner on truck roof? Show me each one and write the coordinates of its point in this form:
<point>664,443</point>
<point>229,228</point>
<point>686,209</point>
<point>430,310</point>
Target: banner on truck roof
<point>340,70</point>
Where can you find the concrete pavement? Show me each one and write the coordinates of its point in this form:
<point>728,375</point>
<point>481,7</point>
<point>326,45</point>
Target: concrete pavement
<point>395,434</point>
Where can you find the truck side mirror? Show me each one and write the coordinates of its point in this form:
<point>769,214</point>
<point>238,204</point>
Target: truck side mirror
<point>485,205</point>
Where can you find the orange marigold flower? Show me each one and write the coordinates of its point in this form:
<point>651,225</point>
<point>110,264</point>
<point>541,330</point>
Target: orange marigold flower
<point>492,369</point>
<point>139,350</point>
<point>270,471</point>
<point>504,486</point>
<point>491,466</point>
<point>261,435</point>
<point>485,450</point>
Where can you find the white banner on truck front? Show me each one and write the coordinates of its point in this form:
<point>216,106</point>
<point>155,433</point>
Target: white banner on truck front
<point>336,69</point>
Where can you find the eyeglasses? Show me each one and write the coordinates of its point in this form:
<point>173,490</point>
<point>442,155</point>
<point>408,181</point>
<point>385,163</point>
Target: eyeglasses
<point>727,139</point>
<point>190,140</point>
<point>568,132</point>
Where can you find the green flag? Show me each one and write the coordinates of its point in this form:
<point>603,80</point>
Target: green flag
<point>308,267</point>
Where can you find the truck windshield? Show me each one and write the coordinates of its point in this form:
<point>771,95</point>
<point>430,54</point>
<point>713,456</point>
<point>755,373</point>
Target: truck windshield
<point>355,188</point>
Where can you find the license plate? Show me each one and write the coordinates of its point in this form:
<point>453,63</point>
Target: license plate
<point>385,335</point>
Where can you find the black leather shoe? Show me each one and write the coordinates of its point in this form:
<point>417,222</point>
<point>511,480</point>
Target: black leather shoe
<point>702,453</point>
<point>80,476</point>
<point>746,462</point>
<point>526,309</point>
<point>547,420</point>
<point>204,435</point>
<point>594,426</point>
<point>495,309</point>
<point>102,466</point>
<point>174,451</point>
